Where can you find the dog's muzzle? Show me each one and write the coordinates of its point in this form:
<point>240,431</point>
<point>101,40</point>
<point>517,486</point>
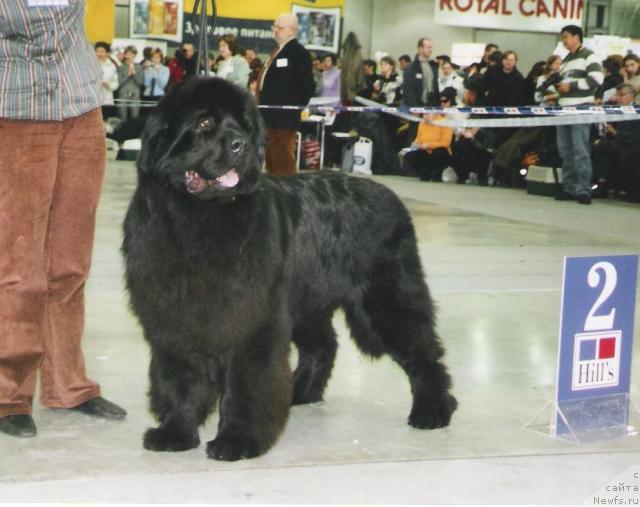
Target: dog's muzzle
<point>196,184</point>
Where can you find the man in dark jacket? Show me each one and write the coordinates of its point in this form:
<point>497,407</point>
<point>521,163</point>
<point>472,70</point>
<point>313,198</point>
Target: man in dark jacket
<point>420,79</point>
<point>505,84</point>
<point>506,87</point>
<point>183,64</point>
<point>287,79</point>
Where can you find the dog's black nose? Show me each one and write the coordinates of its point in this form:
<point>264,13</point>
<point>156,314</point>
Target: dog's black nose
<point>236,145</point>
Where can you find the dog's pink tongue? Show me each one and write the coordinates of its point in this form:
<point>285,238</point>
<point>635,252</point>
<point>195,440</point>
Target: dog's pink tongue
<point>228,179</point>
<point>194,182</point>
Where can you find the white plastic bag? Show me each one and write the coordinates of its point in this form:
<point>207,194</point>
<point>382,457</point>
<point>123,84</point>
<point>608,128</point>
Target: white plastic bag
<point>449,175</point>
<point>362,154</point>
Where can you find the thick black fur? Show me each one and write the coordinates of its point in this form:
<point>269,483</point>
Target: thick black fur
<point>224,280</point>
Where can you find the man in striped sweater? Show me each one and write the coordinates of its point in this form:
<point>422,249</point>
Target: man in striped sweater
<point>581,75</point>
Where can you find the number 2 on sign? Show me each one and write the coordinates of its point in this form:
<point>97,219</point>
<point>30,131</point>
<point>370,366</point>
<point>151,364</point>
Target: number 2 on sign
<point>601,322</point>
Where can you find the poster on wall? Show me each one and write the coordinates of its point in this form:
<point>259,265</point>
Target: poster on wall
<point>517,15</point>
<point>156,19</point>
<point>251,33</point>
<point>318,28</point>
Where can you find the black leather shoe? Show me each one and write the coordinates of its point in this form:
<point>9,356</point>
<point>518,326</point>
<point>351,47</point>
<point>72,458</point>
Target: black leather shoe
<point>18,425</point>
<point>99,407</point>
<point>583,199</point>
<point>561,195</point>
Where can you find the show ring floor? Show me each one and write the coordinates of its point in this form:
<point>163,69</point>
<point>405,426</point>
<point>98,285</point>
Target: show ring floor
<point>493,259</point>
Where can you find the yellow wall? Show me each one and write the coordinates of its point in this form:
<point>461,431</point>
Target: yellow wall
<point>100,14</point>
<point>100,20</point>
<point>260,9</point>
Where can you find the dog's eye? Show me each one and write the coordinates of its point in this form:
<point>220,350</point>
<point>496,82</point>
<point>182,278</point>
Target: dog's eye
<point>205,123</point>
<point>236,145</point>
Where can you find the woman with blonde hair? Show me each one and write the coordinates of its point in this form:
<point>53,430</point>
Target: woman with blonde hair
<point>156,76</point>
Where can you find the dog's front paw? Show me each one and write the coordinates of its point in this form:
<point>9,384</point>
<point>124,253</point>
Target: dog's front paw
<point>232,448</point>
<point>433,415</point>
<point>164,439</point>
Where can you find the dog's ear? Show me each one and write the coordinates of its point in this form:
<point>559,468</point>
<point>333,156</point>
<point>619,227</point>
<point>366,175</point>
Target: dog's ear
<point>153,141</point>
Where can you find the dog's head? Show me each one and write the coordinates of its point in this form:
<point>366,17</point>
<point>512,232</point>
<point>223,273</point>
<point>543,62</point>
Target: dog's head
<point>206,139</point>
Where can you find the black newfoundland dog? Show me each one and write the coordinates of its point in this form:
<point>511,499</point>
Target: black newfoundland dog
<point>226,266</point>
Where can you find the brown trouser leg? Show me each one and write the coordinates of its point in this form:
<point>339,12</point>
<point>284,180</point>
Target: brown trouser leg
<point>281,151</point>
<point>51,175</point>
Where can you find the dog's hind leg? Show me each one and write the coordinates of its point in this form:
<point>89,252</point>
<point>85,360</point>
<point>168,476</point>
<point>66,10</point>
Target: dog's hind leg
<point>396,316</point>
<point>183,393</point>
<point>256,397</point>
<point>315,339</point>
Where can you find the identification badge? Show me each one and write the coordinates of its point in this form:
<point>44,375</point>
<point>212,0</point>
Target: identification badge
<point>418,76</point>
<point>48,3</point>
<point>282,62</point>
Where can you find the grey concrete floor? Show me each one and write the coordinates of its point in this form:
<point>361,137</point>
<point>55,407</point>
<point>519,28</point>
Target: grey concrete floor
<point>493,259</point>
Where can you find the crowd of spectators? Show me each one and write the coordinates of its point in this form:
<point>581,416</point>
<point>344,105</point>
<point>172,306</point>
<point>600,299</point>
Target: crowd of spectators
<point>484,156</point>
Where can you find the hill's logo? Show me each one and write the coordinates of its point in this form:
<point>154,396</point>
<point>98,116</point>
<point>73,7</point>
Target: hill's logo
<point>596,360</point>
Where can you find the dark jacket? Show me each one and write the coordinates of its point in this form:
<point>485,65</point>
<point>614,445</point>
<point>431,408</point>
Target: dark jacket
<point>505,89</point>
<point>288,81</point>
<point>412,85</point>
<point>610,81</point>
<point>627,134</point>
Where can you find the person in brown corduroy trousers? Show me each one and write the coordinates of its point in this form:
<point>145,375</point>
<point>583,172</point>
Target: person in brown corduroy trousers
<point>52,162</point>
<point>287,79</point>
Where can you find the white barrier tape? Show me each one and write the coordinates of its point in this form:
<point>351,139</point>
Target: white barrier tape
<point>544,121</point>
<point>529,116</point>
<point>389,110</point>
<point>545,116</point>
<point>324,101</point>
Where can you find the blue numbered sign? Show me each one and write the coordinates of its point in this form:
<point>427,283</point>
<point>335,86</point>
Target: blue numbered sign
<point>596,338</point>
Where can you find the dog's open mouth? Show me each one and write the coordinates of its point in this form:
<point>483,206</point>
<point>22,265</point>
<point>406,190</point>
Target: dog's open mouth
<point>196,183</point>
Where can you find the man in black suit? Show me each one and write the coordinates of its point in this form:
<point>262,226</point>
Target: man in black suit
<point>287,79</point>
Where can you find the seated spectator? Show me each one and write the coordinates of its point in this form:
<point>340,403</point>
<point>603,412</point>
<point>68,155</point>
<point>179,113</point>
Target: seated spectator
<point>109,77</point>
<point>546,94</point>
<point>472,148</point>
<point>232,67</point>
<point>611,67</point>
<point>156,76</point>
<point>615,159</point>
<point>388,88</point>
<point>330,77</point>
<point>131,79</point>
<point>403,62</point>
<point>449,78</point>
<point>631,74</point>
<point>430,153</point>
<point>370,77</point>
